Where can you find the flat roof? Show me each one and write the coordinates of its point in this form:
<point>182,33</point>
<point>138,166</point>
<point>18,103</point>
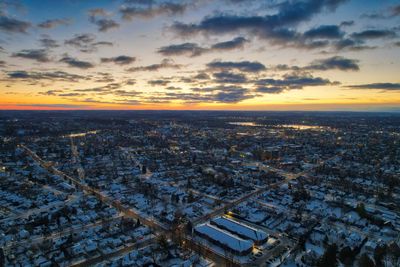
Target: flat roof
<point>240,229</point>
<point>224,237</point>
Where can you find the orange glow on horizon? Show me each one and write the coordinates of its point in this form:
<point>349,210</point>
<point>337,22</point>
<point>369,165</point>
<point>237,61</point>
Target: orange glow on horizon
<point>266,107</point>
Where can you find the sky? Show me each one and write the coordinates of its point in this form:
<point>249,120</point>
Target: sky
<point>200,54</point>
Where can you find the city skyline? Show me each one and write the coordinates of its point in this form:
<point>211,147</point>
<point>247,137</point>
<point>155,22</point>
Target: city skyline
<point>201,55</point>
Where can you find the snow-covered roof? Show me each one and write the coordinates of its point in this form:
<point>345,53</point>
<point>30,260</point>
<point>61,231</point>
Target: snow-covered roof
<point>224,237</point>
<point>240,229</point>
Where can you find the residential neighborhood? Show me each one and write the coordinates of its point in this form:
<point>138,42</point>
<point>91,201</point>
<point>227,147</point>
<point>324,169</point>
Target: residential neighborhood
<point>246,189</point>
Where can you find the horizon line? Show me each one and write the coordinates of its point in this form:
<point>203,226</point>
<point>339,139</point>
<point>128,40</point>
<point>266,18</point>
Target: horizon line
<point>211,110</point>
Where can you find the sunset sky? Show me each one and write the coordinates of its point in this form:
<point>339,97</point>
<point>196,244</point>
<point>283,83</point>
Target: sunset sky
<point>200,54</point>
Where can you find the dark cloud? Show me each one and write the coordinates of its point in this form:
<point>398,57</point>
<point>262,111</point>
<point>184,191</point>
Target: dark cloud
<point>219,94</point>
<point>190,49</point>
<point>173,96</point>
<point>232,96</point>
<point>97,12</point>
<point>130,82</point>
<point>274,28</point>
<point>70,94</point>
<point>120,60</point>
<point>395,10</point>
<point>193,49</point>
<point>106,89</point>
<point>388,13</point>
<point>52,23</point>
<point>377,86</point>
<point>126,93</point>
<point>246,66</point>
<point>202,76</point>
<point>39,55</point>
<point>315,44</point>
<point>173,88</point>
<point>332,63</point>
<point>165,64</point>
<point>105,24</point>
<point>12,25</point>
<point>158,82</point>
<point>98,90</point>
<point>337,62</point>
<point>104,77</point>
<point>47,42</point>
<point>236,43</point>
<point>54,76</point>
<point>86,42</point>
<point>229,77</point>
<point>217,25</point>
<point>149,11</point>
<point>373,34</point>
<point>76,63</point>
<point>270,89</point>
<point>351,44</point>
<point>103,43</point>
<point>19,75</point>
<point>187,80</point>
<point>290,82</point>
<point>325,31</point>
<point>116,102</point>
<point>285,67</point>
<point>10,4</point>
<point>81,41</point>
<point>98,16</point>
<point>50,92</point>
<point>347,23</point>
<point>207,89</point>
